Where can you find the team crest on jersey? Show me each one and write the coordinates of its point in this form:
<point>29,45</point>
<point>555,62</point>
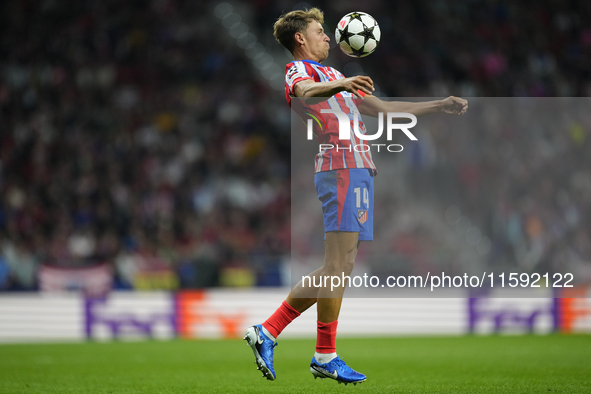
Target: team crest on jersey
<point>362,216</point>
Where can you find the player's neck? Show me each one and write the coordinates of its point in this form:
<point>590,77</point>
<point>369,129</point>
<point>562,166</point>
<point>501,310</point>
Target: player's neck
<point>306,56</point>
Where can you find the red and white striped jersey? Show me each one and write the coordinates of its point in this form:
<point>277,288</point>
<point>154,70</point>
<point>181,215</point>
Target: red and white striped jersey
<point>351,152</point>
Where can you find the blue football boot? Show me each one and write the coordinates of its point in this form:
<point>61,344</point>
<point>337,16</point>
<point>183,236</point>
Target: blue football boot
<point>337,370</point>
<point>262,347</point>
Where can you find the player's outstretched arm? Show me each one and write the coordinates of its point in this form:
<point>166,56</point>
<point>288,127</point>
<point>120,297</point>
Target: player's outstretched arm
<point>310,88</point>
<point>372,105</point>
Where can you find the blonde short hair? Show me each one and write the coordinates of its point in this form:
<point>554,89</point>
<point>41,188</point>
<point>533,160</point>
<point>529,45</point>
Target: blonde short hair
<point>294,22</point>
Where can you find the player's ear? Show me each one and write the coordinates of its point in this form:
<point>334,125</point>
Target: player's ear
<point>299,37</point>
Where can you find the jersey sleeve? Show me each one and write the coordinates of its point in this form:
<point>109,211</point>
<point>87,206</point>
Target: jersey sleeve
<point>294,73</point>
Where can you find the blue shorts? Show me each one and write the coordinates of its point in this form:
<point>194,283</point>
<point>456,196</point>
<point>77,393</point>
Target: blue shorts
<point>347,200</point>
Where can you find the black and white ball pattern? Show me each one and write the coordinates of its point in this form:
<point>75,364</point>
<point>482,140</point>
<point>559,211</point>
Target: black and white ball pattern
<point>358,34</point>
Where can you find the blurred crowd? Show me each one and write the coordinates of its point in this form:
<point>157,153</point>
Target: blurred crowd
<point>128,139</point>
<point>138,135</point>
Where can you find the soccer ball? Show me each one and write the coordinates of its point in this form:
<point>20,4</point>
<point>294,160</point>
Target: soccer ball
<point>358,34</point>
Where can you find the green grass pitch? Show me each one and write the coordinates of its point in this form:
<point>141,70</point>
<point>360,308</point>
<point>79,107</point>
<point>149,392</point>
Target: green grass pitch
<point>468,364</point>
